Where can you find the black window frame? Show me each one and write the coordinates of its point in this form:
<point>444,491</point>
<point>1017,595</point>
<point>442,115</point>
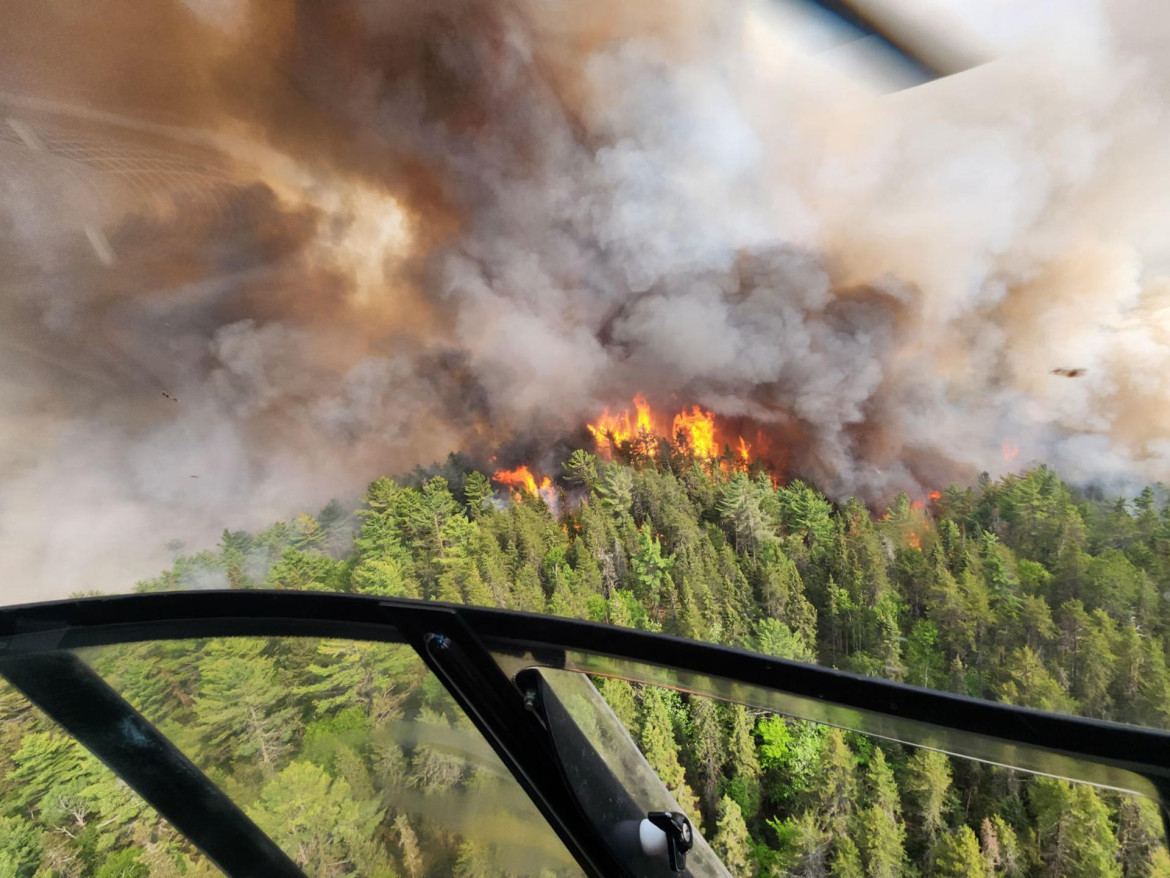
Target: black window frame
<point>458,643</point>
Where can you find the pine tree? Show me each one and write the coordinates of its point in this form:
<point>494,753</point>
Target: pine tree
<point>956,855</point>
<point>927,786</point>
<point>374,676</point>
<point>20,842</point>
<point>619,695</point>
<point>314,818</point>
<point>1026,682</point>
<point>732,842</point>
<point>661,750</point>
<point>581,469</point>
<point>742,514</point>
<point>615,490</point>
<point>477,488</point>
<point>412,859</point>
<point>742,763</point>
<point>705,752</point>
<point>833,790</point>
<point>846,860</point>
<point>1009,860</point>
<point>1073,830</point>
<point>475,860</point>
<point>1140,834</point>
<point>651,570</point>
<point>880,831</point>
<point>434,770</point>
<point>244,709</point>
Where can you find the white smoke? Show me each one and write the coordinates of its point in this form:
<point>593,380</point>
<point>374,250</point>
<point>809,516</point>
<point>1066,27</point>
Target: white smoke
<point>313,247</point>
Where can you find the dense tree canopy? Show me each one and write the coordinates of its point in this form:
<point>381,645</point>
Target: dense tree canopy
<point>1019,590</point>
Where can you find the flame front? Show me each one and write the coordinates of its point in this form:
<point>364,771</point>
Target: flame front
<point>612,431</point>
<point>694,431</point>
<point>519,479</point>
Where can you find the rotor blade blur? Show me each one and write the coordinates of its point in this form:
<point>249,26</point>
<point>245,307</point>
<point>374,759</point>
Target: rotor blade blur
<point>925,53</point>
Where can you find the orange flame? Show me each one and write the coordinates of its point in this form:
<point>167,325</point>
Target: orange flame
<point>611,431</point>
<point>692,430</point>
<point>934,495</point>
<point>696,431</point>
<point>1010,450</point>
<point>914,541</point>
<point>519,479</point>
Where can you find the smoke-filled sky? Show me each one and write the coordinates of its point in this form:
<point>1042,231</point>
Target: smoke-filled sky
<point>254,255</point>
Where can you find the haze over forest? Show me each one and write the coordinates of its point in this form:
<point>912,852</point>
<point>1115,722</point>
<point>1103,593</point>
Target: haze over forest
<point>1018,590</point>
<point>257,254</point>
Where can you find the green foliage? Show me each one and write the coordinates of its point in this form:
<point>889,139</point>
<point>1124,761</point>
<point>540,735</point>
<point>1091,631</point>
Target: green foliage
<point>20,844</point>
<point>881,835</point>
<point>741,510</point>
<point>927,786</point>
<point>307,571</point>
<point>658,743</point>
<point>315,818</point>
<point>1073,830</point>
<point>773,637</point>
<point>477,489</point>
<point>615,490</point>
<point>956,855</point>
<point>806,514</point>
<point>731,841</point>
<point>244,711</point>
<point>123,864</point>
<point>651,569</point>
<point>789,754</point>
<point>581,469</point>
<point>1019,590</point>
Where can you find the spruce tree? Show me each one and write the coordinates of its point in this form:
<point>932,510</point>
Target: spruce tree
<point>731,842</point>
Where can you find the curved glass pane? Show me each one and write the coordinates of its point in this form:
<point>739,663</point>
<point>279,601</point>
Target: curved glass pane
<point>64,813</point>
<point>622,764</point>
<point>350,755</point>
<point>984,748</point>
<point>781,796</point>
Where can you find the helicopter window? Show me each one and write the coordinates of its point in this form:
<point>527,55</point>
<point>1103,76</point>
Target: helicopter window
<point>62,812</point>
<point>350,755</point>
<point>833,801</point>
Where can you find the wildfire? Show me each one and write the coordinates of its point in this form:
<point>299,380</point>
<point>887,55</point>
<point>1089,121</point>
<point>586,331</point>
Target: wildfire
<point>693,430</point>
<point>914,541</point>
<point>1010,450</point>
<point>934,495</point>
<point>696,431</point>
<point>611,431</point>
<point>522,479</point>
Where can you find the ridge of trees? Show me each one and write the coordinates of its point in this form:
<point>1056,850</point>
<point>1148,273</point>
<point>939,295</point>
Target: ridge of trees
<point>1019,589</point>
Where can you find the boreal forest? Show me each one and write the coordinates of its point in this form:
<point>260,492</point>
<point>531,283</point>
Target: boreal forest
<point>1019,590</point>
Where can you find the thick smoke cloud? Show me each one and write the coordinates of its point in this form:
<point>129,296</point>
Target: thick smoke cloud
<point>255,254</point>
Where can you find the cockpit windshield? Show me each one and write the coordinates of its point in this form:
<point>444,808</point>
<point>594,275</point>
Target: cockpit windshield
<point>797,369</point>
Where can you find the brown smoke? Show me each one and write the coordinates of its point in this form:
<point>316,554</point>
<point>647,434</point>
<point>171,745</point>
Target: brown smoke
<point>255,254</point>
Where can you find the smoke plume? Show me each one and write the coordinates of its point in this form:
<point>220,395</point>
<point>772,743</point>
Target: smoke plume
<point>255,254</point>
